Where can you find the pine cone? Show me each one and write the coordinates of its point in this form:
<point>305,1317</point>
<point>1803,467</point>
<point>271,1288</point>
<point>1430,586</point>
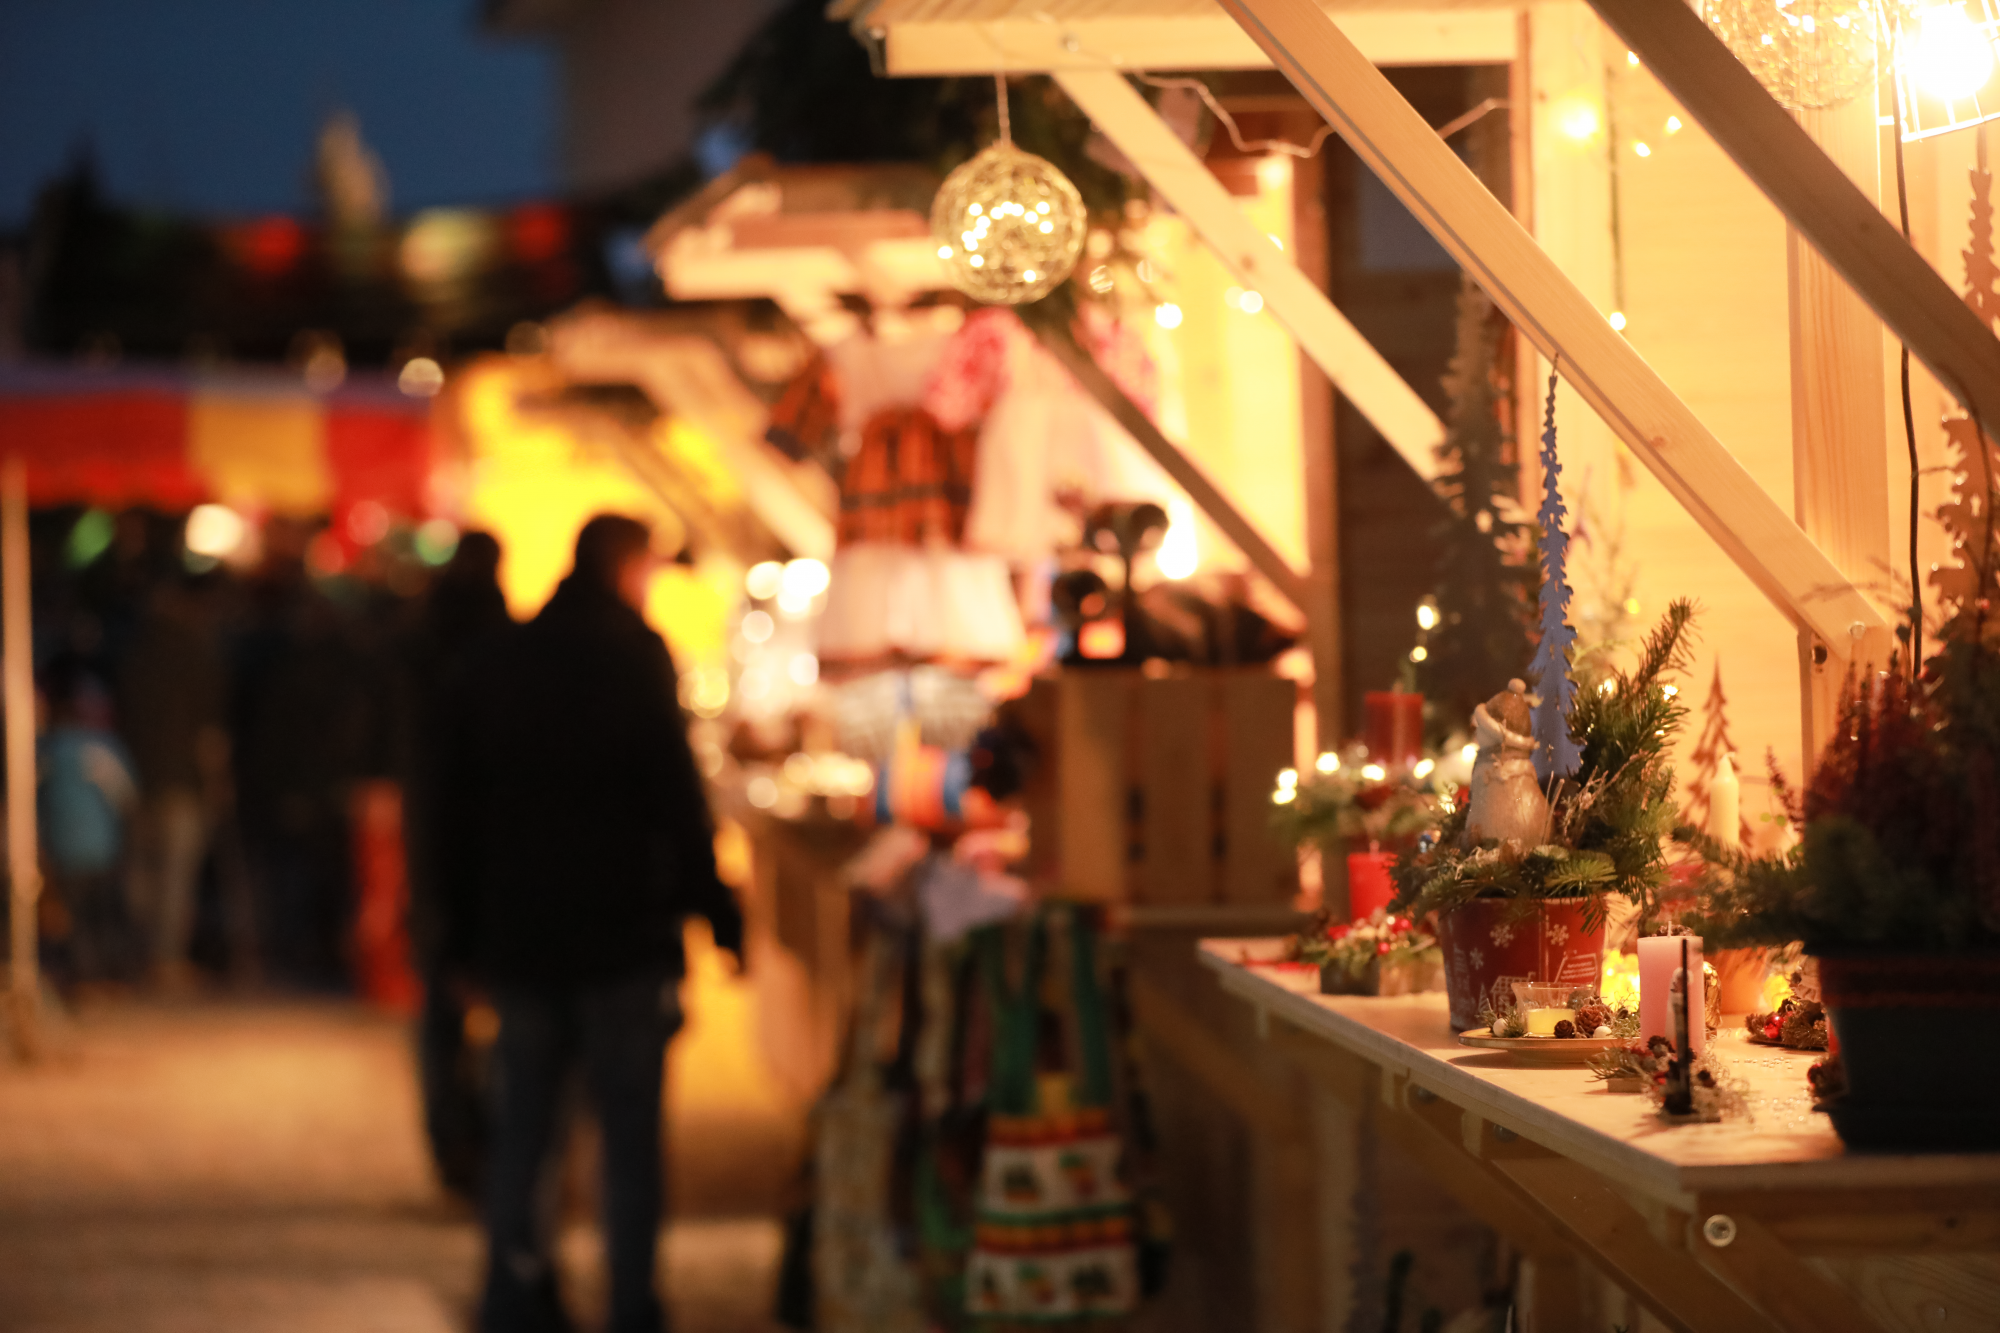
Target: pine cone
<point>1593,1016</point>
<point>1565,1028</point>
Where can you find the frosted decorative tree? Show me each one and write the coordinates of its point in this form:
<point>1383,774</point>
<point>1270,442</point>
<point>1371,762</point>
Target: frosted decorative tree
<point>1710,747</point>
<point>1556,752</point>
<point>1967,581</point>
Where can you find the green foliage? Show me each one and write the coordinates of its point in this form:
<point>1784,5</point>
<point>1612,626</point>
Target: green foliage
<point>1606,826</point>
<point>1902,825</point>
<point>1347,806</point>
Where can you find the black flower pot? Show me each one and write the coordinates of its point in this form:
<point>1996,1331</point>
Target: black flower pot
<point>1914,1031</point>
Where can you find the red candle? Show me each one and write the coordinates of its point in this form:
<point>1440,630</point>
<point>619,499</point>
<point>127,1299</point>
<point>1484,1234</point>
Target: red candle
<point>1368,882</point>
<point>1395,729</point>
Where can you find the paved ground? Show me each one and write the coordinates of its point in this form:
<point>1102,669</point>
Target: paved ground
<point>236,1167</point>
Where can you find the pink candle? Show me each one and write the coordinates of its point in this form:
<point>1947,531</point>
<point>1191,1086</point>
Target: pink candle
<point>1659,962</point>
<point>1368,882</point>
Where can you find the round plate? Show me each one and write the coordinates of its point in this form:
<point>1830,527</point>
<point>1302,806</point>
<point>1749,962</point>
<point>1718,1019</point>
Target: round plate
<point>1543,1052</point>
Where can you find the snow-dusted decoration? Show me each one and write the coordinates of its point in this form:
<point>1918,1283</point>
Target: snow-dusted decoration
<point>1556,753</point>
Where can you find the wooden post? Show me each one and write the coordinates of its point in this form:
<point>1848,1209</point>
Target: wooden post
<point>1840,465</point>
<point>1324,629</point>
<point>17,676</point>
<point>1546,306</point>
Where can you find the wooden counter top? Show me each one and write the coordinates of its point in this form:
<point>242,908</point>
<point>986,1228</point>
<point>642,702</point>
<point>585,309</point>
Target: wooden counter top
<point>1787,1147</point>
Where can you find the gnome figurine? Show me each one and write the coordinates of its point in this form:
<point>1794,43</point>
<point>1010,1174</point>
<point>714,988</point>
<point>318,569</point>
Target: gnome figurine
<point>1507,801</point>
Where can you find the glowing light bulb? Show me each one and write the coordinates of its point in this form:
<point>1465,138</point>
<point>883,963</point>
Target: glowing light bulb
<point>1167,315</point>
<point>1673,124</point>
<point>1618,320</point>
<point>1177,556</point>
<point>1288,777</point>
<point>1374,772</point>
<point>1419,653</point>
<point>1427,616</point>
<point>1642,149</point>
<point>1578,120</point>
<point>1951,58</point>
<point>1328,762</point>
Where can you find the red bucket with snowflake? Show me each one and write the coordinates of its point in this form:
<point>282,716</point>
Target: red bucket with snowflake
<point>1491,943</point>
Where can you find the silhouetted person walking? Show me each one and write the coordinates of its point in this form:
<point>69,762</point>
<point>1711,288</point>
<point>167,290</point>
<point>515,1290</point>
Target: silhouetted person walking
<point>463,617</point>
<point>594,843</point>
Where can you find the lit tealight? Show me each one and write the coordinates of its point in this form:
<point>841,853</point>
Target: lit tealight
<point>1328,762</point>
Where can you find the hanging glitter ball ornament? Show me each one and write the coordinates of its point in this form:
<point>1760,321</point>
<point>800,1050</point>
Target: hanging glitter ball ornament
<point>1008,225</point>
<point>1807,53</point>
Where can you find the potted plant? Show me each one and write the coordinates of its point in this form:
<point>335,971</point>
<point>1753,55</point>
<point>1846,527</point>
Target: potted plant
<point>1519,871</point>
<point>1349,804</point>
<point>1377,955</point>
<point>1895,889</point>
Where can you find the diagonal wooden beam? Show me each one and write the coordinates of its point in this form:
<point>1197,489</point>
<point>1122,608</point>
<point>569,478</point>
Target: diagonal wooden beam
<point>1549,310</point>
<point>1335,346</point>
<point>1815,195</point>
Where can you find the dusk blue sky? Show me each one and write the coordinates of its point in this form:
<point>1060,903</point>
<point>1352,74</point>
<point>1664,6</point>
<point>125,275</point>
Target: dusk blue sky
<point>210,106</point>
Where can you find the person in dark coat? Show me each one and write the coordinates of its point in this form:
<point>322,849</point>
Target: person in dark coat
<point>594,845</point>
<point>462,618</point>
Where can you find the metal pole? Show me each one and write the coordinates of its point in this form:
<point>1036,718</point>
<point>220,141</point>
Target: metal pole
<point>17,686</point>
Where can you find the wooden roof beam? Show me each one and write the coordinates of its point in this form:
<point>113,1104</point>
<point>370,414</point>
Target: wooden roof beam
<point>935,47</point>
<point>1335,346</point>
<point>1442,193</point>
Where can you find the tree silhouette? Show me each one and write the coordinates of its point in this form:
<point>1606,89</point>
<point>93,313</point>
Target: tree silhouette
<point>1483,575</point>
<point>1556,752</point>
<point>1966,582</point>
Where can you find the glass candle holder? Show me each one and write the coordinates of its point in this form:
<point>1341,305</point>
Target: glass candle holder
<point>1543,1006</point>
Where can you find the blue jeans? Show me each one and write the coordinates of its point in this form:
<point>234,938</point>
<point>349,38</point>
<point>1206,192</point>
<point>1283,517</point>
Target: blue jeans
<point>618,1033</point>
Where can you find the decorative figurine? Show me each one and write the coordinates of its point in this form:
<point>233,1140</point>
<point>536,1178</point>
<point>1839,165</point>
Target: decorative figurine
<point>1507,801</point>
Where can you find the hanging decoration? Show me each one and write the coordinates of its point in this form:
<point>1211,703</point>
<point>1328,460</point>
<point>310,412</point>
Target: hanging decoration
<point>1009,225</point>
<point>1946,57</point>
<point>1807,53</point>
<point>1556,751</point>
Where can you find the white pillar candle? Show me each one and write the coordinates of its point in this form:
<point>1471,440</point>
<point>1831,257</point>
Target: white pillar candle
<point>1659,961</point>
<point>1725,805</point>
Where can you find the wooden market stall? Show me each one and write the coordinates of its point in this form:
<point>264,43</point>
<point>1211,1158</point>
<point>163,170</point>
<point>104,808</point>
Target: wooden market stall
<point>1716,281</point>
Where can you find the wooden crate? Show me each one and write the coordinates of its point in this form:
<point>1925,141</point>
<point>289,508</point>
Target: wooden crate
<point>1155,790</point>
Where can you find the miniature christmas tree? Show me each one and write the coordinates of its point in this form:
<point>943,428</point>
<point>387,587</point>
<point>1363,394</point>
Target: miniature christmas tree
<point>1483,575</point>
<point>1556,753</point>
<point>1709,749</point>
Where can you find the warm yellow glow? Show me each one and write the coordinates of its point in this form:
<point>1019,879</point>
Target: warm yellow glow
<point>1673,124</point>
<point>1167,315</point>
<point>1424,768</point>
<point>1274,172</point>
<point>1419,653</point>
<point>1578,120</point>
<point>1642,149</point>
<point>1288,777</point>
<point>215,531</point>
<point>1250,303</point>
<point>1374,772</point>
<point>1284,796</point>
<point>1328,762</point>
<point>1632,57</point>
<point>1178,555</point>
<point>763,579</point>
<point>1950,58</point>
<point>1618,320</point>
<point>1427,616</point>
<point>1469,754</point>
